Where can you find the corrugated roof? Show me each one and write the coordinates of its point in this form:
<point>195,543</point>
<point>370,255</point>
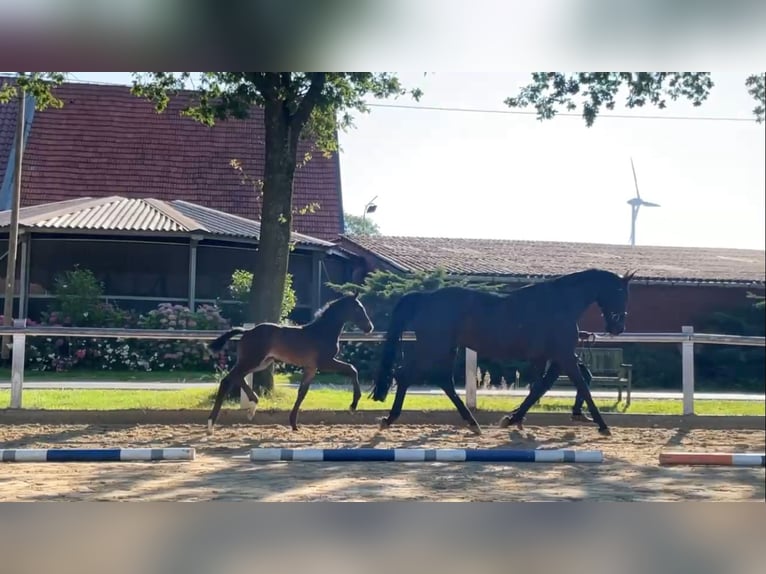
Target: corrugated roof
<point>106,142</point>
<point>533,259</point>
<point>147,215</point>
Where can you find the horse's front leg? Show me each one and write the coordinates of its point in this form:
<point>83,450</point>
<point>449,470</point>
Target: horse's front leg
<point>337,366</point>
<point>308,376</point>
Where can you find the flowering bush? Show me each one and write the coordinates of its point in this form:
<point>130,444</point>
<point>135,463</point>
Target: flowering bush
<point>60,354</point>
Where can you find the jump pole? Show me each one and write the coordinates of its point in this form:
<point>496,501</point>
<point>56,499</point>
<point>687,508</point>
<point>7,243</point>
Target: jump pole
<point>95,454</point>
<point>421,455</point>
<point>712,459</point>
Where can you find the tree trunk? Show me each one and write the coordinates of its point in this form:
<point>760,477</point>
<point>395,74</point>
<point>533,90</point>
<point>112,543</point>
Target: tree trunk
<point>267,289</point>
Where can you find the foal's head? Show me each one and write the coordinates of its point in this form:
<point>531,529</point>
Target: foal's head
<point>351,310</point>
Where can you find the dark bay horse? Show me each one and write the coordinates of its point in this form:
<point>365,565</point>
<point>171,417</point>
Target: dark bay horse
<point>313,346</point>
<point>535,323</point>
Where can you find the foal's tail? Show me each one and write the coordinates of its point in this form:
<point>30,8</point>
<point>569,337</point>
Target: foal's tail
<point>218,344</point>
<point>404,311</point>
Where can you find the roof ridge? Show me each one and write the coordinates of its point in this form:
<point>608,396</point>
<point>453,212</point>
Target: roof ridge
<point>79,204</point>
<point>212,210</point>
<point>351,237</point>
<point>167,209</point>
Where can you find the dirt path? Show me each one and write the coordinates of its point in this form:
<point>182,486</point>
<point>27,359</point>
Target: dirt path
<point>222,470</point>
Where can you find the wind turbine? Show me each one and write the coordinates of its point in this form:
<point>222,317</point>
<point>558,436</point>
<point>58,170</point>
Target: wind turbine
<point>635,203</point>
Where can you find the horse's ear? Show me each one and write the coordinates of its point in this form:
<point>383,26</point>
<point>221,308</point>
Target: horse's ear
<point>628,276</point>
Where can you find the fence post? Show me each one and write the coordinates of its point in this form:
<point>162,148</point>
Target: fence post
<point>471,364</point>
<point>244,402</point>
<point>687,372</point>
<point>17,364</point>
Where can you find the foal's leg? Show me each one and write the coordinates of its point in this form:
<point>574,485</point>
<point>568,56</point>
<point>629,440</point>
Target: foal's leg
<point>236,376</point>
<point>347,369</point>
<point>308,376</point>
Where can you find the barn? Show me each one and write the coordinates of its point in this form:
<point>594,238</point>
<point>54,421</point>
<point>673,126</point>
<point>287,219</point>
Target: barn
<point>159,206</point>
<point>673,286</point>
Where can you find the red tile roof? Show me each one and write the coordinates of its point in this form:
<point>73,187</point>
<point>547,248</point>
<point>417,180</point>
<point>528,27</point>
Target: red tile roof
<point>537,259</point>
<point>106,141</point>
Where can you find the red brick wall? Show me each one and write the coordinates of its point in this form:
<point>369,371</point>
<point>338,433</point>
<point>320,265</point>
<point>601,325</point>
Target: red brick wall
<point>659,308</point>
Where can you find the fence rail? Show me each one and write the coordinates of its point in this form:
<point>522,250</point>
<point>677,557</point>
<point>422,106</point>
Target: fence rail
<point>687,338</point>
<point>351,336</point>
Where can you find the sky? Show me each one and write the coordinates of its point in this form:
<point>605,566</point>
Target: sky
<point>438,173</point>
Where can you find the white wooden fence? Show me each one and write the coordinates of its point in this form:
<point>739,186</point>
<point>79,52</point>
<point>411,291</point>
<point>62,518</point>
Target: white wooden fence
<point>687,338</point>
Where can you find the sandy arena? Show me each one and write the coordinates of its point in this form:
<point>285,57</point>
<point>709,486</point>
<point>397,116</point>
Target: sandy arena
<point>222,470</point>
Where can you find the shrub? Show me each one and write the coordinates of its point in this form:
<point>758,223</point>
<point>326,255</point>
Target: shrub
<point>239,288</point>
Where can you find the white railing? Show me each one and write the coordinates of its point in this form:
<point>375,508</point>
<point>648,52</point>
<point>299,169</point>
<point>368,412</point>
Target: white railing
<point>687,338</point>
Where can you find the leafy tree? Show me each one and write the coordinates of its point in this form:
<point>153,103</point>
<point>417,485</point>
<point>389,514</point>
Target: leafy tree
<point>357,225</point>
<point>550,91</point>
<point>241,282</point>
<point>294,105</point>
<point>37,84</point>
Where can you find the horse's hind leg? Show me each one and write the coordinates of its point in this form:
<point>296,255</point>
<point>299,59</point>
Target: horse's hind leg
<point>308,376</point>
<point>402,376</point>
<point>536,391</point>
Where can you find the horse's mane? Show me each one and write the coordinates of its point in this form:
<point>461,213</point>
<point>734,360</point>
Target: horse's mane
<point>323,309</point>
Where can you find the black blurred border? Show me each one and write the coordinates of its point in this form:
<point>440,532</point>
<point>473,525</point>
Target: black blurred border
<point>232,537</point>
<point>449,35</point>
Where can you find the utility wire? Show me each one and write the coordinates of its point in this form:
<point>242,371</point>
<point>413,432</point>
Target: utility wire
<point>571,114</point>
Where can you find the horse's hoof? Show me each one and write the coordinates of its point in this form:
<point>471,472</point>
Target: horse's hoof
<point>295,427</point>
<point>475,429</point>
<point>251,411</point>
<point>352,407</point>
<point>383,424</point>
<point>507,421</point>
<point>605,431</point>
<point>581,418</point>
<point>209,429</point>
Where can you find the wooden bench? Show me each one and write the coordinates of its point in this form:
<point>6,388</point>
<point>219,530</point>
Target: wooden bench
<point>608,369</point>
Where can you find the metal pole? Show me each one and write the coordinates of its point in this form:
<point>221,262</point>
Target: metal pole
<point>687,366</point>
<point>17,364</point>
<point>471,364</point>
<point>192,274</point>
<point>24,276</point>
<point>13,230</point>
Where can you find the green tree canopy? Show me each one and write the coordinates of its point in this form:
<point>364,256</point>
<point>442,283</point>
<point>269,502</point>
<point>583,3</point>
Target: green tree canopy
<point>550,91</point>
<point>358,225</point>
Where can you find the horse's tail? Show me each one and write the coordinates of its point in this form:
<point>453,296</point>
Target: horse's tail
<point>218,344</point>
<point>404,311</point>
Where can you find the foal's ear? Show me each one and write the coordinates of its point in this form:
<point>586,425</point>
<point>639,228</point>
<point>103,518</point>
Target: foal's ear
<point>629,275</point>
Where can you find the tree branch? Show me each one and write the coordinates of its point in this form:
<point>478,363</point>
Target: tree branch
<point>301,116</point>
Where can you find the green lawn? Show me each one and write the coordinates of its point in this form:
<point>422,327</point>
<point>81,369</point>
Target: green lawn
<point>176,376</point>
<point>329,399</point>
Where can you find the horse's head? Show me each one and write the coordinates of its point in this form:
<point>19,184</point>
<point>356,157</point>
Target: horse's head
<point>357,314</point>
<point>613,301</point>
